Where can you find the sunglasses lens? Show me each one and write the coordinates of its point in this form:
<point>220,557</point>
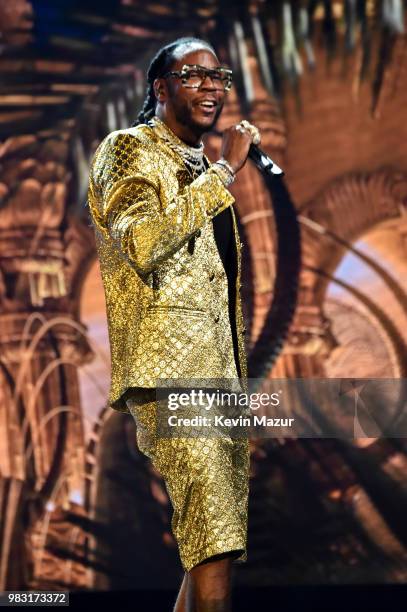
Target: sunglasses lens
<point>195,77</point>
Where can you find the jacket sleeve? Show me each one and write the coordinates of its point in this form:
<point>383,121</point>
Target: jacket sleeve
<point>130,211</point>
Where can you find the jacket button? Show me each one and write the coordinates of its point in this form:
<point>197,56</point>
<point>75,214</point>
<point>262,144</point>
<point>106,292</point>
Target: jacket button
<point>212,276</point>
<point>198,233</point>
<point>217,319</point>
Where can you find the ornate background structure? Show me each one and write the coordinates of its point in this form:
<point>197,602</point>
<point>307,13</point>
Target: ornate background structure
<point>327,84</point>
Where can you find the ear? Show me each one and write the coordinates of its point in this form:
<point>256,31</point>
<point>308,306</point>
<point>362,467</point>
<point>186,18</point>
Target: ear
<point>159,89</point>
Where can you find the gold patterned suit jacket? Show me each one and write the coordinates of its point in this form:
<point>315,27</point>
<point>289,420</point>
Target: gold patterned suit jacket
<point>164,282</point>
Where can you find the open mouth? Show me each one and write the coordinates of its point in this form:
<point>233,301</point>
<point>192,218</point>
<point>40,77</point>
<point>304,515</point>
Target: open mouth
<point>207,105</point>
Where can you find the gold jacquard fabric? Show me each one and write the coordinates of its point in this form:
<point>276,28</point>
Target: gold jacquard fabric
<point>167,309</point>
<point>207,480</point>
<point>165,286</point>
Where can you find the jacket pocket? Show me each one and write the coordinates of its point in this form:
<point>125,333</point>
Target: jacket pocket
<point>176,342</point>
<point>195,312</point>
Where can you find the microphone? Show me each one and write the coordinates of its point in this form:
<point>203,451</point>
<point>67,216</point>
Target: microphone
<point>263,161</point>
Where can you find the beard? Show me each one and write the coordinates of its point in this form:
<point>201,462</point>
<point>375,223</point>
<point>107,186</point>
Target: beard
<point>184,115</point>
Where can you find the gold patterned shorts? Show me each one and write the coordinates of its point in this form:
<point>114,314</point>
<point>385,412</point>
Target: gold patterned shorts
<point>207,480</point>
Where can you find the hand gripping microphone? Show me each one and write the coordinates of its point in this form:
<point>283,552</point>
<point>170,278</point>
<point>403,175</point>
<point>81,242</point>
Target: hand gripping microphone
<point>263,161</point>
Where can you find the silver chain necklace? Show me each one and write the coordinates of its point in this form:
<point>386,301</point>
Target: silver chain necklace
<point>192,156</point>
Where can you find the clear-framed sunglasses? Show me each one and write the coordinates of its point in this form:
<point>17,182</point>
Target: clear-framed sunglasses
<point>193,76</point>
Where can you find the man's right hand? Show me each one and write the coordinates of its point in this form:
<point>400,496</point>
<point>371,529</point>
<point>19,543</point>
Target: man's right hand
<point>235,146</point>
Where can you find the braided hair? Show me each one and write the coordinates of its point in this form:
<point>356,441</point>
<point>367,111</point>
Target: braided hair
<point>162,63</point>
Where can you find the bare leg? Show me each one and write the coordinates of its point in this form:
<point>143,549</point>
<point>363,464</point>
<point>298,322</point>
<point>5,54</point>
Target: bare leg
<point>209,585</point>
<point>181,603</point>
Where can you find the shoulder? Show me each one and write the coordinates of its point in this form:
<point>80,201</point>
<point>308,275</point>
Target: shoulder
<point>123,152</point>
<point>132,137</point>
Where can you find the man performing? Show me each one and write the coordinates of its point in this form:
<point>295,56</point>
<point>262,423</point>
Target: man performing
<point>170,260</point>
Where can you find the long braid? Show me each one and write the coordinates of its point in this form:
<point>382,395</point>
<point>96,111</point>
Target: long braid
<point>160,64</point>
<point>148,107</point>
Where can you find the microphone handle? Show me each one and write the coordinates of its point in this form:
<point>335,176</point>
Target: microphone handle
<point>263,161</point>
